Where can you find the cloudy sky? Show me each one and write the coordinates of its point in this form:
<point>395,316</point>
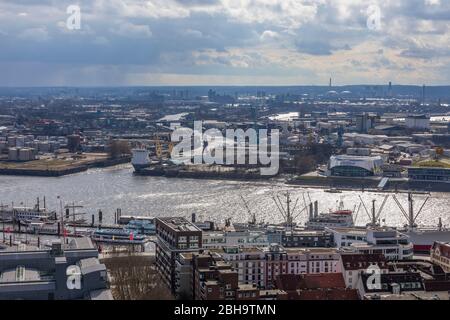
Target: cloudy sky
<point>224,42</point>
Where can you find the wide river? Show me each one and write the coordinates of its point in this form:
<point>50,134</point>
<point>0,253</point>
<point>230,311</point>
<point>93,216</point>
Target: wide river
<point>117,187</point>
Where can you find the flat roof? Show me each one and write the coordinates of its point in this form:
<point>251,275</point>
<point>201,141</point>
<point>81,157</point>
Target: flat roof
<point>179,224</point>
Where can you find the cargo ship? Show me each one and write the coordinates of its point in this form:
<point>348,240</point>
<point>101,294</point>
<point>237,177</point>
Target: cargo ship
<point>422,238</point>
<point>340,218</point>
<point>140,159</point>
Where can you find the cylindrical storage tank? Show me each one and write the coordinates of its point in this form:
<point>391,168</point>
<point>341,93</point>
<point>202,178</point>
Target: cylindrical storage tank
<point>25,154</point>
<point>3,145</point>
<point>20,142</point>
<point>13,154</point>
<point>12,141</point>
<point>44,147</point>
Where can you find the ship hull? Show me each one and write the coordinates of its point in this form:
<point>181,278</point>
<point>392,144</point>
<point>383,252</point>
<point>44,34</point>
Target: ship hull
<point>424,240</point>
<point>140,167</point>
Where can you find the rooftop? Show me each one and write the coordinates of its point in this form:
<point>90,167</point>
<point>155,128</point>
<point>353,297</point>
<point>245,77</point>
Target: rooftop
<point>179,224</point>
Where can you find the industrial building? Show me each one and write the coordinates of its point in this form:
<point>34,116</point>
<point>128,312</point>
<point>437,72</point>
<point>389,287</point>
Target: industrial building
<point>418,122</point>
<point>429,174</point>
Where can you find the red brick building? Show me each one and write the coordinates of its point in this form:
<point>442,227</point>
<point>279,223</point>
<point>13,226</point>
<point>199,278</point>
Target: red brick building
<point>330,286</point>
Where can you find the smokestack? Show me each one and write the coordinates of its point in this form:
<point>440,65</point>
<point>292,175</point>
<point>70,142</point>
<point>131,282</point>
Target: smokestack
<point>423,94</point>
<point>311,211</point>
<point>316,209</point>
<point>193,217</point>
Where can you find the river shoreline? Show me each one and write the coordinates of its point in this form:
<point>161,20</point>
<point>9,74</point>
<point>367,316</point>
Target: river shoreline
<point>63,171</point>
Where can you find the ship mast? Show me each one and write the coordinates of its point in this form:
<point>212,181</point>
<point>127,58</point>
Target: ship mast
<point>374,216</point>
<point>410,216</point>
<point>286,211</point>
<point>253,220</point>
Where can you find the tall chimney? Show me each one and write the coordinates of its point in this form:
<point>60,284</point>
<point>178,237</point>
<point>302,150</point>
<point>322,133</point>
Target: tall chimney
<point>311,211</point>
<point>316,209</point>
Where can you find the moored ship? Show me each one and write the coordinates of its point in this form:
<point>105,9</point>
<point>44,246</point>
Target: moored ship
<point>337,218</point>
<point>422,238</point>
<point>117,236</point>
<point>140,159</point>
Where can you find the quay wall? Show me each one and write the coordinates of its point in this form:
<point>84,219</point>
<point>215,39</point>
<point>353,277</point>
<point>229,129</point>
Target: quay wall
<point>63,171</point>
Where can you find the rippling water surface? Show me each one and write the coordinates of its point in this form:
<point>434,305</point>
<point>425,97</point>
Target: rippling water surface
<point>112,188</point>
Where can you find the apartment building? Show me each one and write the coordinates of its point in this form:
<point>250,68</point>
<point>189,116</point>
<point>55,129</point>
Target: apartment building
<point>174,236</point>
<point>354,265</point>
<point>215,279</point>
<point>261,266</point>
<point>219,239</point>
<point>389,242</point>
<point>440,255</point>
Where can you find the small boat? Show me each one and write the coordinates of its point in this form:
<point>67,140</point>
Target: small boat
<point>333,190</point>
<point>117,236</point>
<point>142,227</point>
<point>123,220</point>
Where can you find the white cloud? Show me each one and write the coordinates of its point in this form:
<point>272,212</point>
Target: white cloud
<point>269,35</point>
<point>35,34</point>
<point>311,38</point>
<point>133,30</point>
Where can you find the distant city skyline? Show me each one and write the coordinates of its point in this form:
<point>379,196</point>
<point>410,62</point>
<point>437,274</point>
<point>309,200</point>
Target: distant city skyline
<point>225,42</point>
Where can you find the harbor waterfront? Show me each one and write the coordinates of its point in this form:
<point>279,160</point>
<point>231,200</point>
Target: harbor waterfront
<point>108,189</point>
